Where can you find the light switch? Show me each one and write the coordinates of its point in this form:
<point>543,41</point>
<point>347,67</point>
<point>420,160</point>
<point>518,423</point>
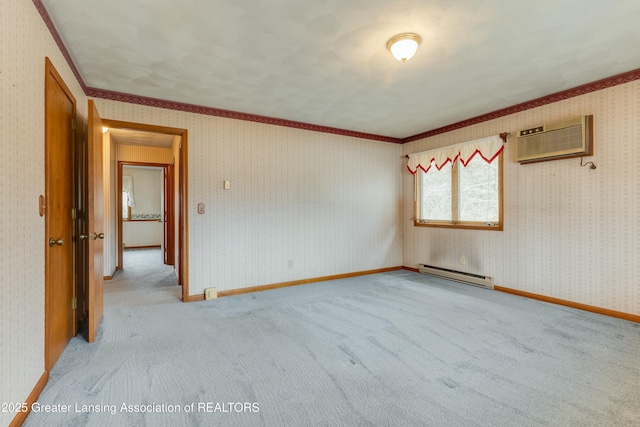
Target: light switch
<point>200,208</point>
<point>226,184</point>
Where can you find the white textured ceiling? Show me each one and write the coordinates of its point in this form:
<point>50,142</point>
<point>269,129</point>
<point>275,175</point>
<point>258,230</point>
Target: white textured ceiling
<point>325,62</point>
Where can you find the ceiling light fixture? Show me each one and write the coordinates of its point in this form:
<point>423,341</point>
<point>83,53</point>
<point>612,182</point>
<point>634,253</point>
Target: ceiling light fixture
<point>404,46</point>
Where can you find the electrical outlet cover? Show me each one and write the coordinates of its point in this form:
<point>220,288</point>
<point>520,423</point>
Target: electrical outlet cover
<point>210,293</point>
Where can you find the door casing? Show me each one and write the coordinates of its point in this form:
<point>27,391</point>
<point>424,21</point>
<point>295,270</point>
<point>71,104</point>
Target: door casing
<point>181,192</point>
<point>168,215</point>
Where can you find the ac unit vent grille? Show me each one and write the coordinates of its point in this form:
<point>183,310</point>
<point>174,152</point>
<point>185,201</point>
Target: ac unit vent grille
<point>569,138</point>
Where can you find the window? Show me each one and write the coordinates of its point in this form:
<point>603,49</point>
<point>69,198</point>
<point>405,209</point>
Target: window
<point>126,209</point>
<point>127,196</point>
<point>465,192</point>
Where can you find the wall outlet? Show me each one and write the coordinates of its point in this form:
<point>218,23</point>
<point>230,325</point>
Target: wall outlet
<point>463,260</point>
<point>210,293</point>
<point>290,264</point>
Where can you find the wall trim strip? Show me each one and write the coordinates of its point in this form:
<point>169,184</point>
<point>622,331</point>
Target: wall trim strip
<point>44,14</point>
<point>190,108</point>
<point>261,288</point>
<point>528,105</point>
<point>566,303</point>
<point>228,114</point>
<point>20,417</point>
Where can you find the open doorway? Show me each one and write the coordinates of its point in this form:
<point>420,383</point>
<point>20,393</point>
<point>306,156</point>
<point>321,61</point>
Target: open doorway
<point>156,148</point>
<point>146,219</point>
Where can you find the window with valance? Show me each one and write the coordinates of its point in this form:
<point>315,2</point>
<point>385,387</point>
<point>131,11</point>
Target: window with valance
<point>460,186</point>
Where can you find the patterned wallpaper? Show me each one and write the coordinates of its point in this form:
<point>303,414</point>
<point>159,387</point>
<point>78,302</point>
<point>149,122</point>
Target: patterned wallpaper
<point>141,154</point>
<point>570,232</point>
<point>302,204</point>
<point>24,43</point>
<point>306,204</point>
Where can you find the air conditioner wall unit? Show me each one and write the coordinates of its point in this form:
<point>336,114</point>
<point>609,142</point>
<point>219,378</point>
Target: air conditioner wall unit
<point>557,140</point>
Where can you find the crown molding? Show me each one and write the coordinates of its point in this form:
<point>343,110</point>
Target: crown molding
<point>172,105</point>
<point>58,39</point>
<point>528,105</point>
<point>228,114</point>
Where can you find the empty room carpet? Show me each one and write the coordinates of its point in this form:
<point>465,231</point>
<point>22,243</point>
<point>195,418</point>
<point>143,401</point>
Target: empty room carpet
<point>391,349</point>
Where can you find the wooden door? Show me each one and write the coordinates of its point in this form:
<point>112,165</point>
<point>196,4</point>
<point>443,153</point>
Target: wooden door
<point>60,108</point>
<point>95,221</point>
<point>169,228</point>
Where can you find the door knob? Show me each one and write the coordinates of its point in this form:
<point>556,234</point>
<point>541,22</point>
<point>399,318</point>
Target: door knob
<point>53,242</point>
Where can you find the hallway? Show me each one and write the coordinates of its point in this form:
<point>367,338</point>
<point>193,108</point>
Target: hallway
<point>143,271</point>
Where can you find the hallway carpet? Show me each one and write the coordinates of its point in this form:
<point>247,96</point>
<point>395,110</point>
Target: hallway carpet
<point>391,349</point>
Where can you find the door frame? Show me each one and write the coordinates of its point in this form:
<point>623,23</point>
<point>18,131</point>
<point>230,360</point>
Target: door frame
<point>180,190</point>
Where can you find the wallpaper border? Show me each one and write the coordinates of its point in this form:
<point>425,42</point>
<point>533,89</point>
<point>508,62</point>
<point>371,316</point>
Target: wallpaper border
<point>42,10</point>
<point>211,111</point>
<point>538,102</point>
<point>228,114</point>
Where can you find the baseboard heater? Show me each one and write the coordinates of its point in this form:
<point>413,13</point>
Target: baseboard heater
<point>458,276</point>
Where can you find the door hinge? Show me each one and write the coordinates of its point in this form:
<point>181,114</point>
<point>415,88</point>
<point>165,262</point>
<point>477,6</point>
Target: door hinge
<point>74,303</point>
<point>73,124</point>
<point>73,213</point>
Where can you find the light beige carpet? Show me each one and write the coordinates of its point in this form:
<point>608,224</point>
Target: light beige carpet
<point>392,349</point>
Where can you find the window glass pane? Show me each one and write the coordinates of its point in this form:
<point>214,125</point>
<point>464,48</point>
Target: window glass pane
<point>478,191</point>
<point>436,194</point>
<point>125,205</point>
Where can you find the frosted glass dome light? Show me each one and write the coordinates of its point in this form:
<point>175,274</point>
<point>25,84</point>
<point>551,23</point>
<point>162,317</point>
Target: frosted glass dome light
<point>404,46</point>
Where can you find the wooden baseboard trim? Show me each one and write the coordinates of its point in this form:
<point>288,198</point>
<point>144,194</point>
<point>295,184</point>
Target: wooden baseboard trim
<point>415,270</point>
<point>579,306</point>
<point>194,298</point>
<point>115,271</point>
<point>33,396</point>
<point>293,283</point>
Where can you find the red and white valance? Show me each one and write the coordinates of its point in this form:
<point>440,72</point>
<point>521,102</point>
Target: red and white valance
<point>488,148</point>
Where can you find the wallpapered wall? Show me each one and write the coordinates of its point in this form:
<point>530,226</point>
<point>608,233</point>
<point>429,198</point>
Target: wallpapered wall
<point>305,204</point>
<point>570,232</point>
<point>143,154</point>
<point>147,191</point>
<point>24,43</point>
<point>301,205</point>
